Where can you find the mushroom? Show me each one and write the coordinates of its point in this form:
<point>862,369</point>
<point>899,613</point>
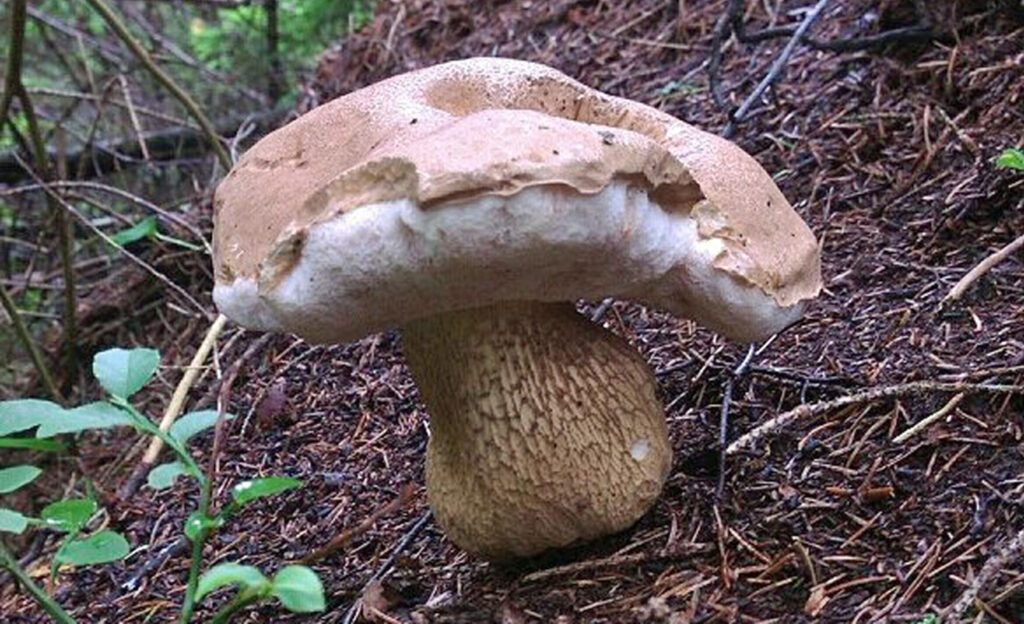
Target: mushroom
<point>470,204</point>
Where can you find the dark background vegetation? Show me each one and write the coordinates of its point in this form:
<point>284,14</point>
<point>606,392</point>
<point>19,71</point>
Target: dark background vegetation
<point>882,131</point>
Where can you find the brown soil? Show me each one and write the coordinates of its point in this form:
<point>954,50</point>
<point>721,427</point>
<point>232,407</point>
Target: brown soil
<point>887,153</point>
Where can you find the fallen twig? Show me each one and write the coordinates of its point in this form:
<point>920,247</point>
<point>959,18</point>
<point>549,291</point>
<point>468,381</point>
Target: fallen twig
<point>776,69</point>
<point>983,267</point>
<point>21,331</point>
<point>723,423</point>
<point>726,23</point>
<point>993,566</point>
<point>172,549</point>
<point>224,399</point>
<point>925,422</point>
<point>61,201</point>
<point>174,407</point>
<point>873,394</point>
<point>615,561</point>
<point>385,568</point>
<point>341,539</point>
<point>163,78</point>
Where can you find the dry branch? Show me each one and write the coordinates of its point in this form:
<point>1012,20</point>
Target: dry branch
<point>873,394</point>
<point>777,66</point>
<point>983,267</point>
<point>163,78</point>
<point>927,421</point>
<point>1006,555</point>
<point>340,540</point>
<point>14,87</point>
<point>164,145</point>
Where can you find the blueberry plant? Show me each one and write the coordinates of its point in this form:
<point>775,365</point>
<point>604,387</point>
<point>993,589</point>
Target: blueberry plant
<point>1011,158</point>
<point>34,423</point>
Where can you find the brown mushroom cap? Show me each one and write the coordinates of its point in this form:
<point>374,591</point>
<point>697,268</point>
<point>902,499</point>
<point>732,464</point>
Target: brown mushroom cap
<point>412,197</point>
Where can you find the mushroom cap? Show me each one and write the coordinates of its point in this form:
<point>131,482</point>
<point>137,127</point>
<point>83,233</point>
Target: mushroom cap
<point>486,180</point>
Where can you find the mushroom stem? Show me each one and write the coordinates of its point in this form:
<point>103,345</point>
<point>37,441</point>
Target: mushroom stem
<point>545,428</point>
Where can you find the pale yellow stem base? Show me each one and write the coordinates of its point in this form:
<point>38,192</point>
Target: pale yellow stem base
<point>545,428</point>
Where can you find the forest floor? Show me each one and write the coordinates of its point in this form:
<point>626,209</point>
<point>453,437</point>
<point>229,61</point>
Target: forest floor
<point>887,153</point>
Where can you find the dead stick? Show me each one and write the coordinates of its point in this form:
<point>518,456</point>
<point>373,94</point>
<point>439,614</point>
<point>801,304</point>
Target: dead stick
<point>925,422</point>
<point>777,66</point>
<point>614,561</point>
<point>385,568</point>
<point>983,267</point>
<point>873,394</point>
<point>996,562</point>
<point>723,423</point>
<point>341,539</point>
<point>174,406</point>
<point>163,78</point>
<point>224,399</point>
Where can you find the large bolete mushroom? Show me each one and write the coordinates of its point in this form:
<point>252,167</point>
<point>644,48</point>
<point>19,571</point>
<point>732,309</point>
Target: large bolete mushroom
<point>469,204</point>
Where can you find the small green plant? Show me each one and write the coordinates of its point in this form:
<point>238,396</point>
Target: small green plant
<point>149,228</point>
<point>1011,158</point>
<point>122,373</point>
<point>297,588</point>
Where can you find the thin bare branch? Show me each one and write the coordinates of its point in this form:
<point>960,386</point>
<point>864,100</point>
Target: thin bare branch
<point>164,79</point>
<point>777,66</point>
<point>983,267</point>
<point>872,394</point>
<point>21,331</point>
<point>15,88</point>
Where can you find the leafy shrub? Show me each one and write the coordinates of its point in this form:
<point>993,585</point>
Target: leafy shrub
<point>122,373</point>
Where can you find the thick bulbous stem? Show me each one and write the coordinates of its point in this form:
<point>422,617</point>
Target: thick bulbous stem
<point>545,428</point>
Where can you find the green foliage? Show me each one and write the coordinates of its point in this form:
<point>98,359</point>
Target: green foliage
<point>98,415</point>
<point>123,372</point>
<point>1011,158</point>
<point>248,491</point>
<point>69,515</point>
<point>148,228</point>
<point>145,228</point>
<point>21,414</point>
<point>192,423</point>
<point>198,524</point>
<point>16,476</point>
<point>236,40</point>
<point>100,547</point>
<point>297,587</point>
<point>32,444</point>
<point>164,475</point>
<point>246,577</point>
<point>11,521</point>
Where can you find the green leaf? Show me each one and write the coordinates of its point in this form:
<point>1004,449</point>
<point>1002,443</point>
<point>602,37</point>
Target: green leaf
<point>247,491</point>
<point>102,547</point>
<point>197,522</point>
<point>163,476</point>
<point>194,422</point>
<point>33,444</point>
<point>16,476</point>
<point>1011,158</point>
<point>23,414</point>
<point>142,229</point>
<point>98,415</point>
<point>122,372</point>
<point>12,521</point>
<point>245,576</point>
<point>69,515</point>
<point>299,589</point>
